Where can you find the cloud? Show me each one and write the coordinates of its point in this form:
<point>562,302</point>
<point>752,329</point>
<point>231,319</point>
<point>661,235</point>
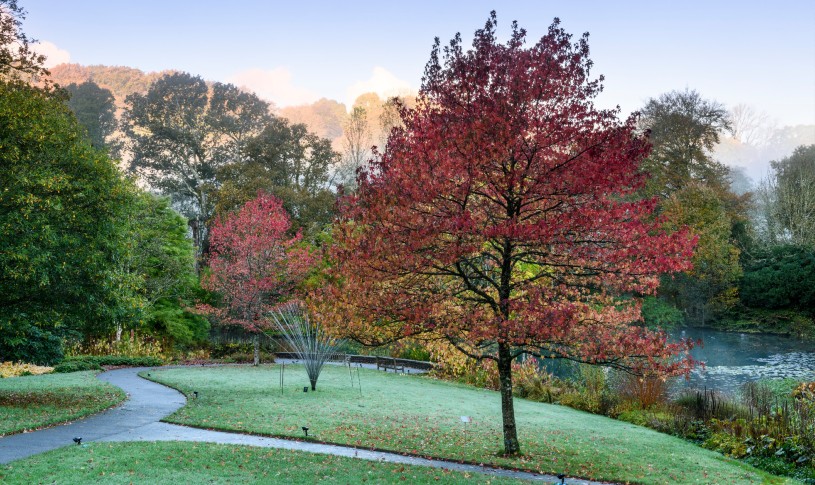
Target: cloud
<point>54,55</point>
<point>381,82</point>
<point>274,85</point>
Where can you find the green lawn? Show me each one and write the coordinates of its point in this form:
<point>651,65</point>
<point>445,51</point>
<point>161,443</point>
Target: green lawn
<point>32,402</point>
<point>177,463</point>
<point>422,416</point>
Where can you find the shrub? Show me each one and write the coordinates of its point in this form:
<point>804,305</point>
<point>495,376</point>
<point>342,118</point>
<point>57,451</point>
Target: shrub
<point>230,348</point>
<point>29,343</point>
<point>130,345</point>
<point>248,358</point>
<point>118,360</point>
<point>482,374</point>
<point>590,391</point>
<point>659,314</point>
<point>11,369</point>
<point>779,277</point>
<point>805,392</point>
<point>410,349</point>
<point>76,366</point>
<point>531,382</point>
<point>726,444</point>
<point>644,391</point>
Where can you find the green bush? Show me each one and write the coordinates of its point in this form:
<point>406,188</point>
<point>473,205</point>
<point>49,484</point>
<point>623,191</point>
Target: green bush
<point>779,277</point>
<point>29,343</point>
<point>727,444</point>
<point>659,314</point>
<point>248,358</point>
<point>237,348</point>
<point>76,366</point>
<point>115,360</point>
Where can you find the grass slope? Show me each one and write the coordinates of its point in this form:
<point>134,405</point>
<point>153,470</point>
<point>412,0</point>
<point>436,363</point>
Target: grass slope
<point>422,416</point>
<point>175,463</point>
<point>32,402</point>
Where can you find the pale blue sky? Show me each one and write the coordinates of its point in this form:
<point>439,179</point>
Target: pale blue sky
<point>759,53</point>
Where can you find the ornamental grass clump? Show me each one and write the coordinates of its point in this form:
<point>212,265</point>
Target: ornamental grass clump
<point>307,338</point>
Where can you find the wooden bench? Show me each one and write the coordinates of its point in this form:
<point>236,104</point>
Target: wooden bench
<point>389,363</point>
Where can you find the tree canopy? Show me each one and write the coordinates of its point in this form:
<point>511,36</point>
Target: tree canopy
<point>253,263</point>
<point>500,218</point>
<point>17,60</point>
<point>95,110</point>
<point>289,162</point>
<point>182,131</point>
<point>60,206</point>
<point>683,128</point>
<point>793,197</point>
<point>160,257</point>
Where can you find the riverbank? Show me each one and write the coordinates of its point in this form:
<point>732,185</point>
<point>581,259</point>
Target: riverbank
<point>788,323</point>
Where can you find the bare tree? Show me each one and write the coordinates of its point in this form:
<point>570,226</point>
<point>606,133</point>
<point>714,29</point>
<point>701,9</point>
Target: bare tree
<point>750,126</point>
<point>357,140</point>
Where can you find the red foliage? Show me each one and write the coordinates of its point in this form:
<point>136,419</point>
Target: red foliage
<point>253,262</point>
<point>502,216</point>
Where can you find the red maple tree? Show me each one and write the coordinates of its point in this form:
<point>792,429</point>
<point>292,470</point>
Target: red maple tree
<point>501,217</point>
<point>253,263</point>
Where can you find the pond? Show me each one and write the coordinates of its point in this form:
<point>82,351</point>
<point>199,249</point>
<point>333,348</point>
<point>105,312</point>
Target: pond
<point>735,358</point>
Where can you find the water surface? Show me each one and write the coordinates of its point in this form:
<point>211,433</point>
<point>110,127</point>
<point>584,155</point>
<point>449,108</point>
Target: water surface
<point>735,358</point>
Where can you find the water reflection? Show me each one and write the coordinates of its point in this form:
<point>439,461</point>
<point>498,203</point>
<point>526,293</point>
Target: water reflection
<point>734,358</point>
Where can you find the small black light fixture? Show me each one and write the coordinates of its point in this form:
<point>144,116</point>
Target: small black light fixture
<point>148,374</point>
<point>195,393</point>
<point>305,389</point>
<point>78,440</point>
<point>562,478</point>
<point>305,430</point>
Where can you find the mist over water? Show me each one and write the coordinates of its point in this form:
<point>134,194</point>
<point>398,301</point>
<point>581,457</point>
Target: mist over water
<point>731,359</point>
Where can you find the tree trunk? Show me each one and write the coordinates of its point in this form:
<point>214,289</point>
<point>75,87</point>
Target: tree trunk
<point>511,445</point>
<point>257,349</point>
<point>313,384</point>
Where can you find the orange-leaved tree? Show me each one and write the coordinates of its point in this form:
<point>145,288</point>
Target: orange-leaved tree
<point>501,216</point>
<point>253,264</point>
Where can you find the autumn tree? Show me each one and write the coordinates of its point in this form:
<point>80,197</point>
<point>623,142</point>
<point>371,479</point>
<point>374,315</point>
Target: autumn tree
<point>253,264</point>
<point>388,118</point>
<point>500,218</point>
<point>684,129</point>
<point>710,288</point>
<point>182,131</point>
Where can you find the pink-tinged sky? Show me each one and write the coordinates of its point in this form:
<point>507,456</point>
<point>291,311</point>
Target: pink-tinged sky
<point>753,52</point>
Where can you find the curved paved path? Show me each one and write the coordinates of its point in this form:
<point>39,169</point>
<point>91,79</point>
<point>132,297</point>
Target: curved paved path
<point>139,419</point>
